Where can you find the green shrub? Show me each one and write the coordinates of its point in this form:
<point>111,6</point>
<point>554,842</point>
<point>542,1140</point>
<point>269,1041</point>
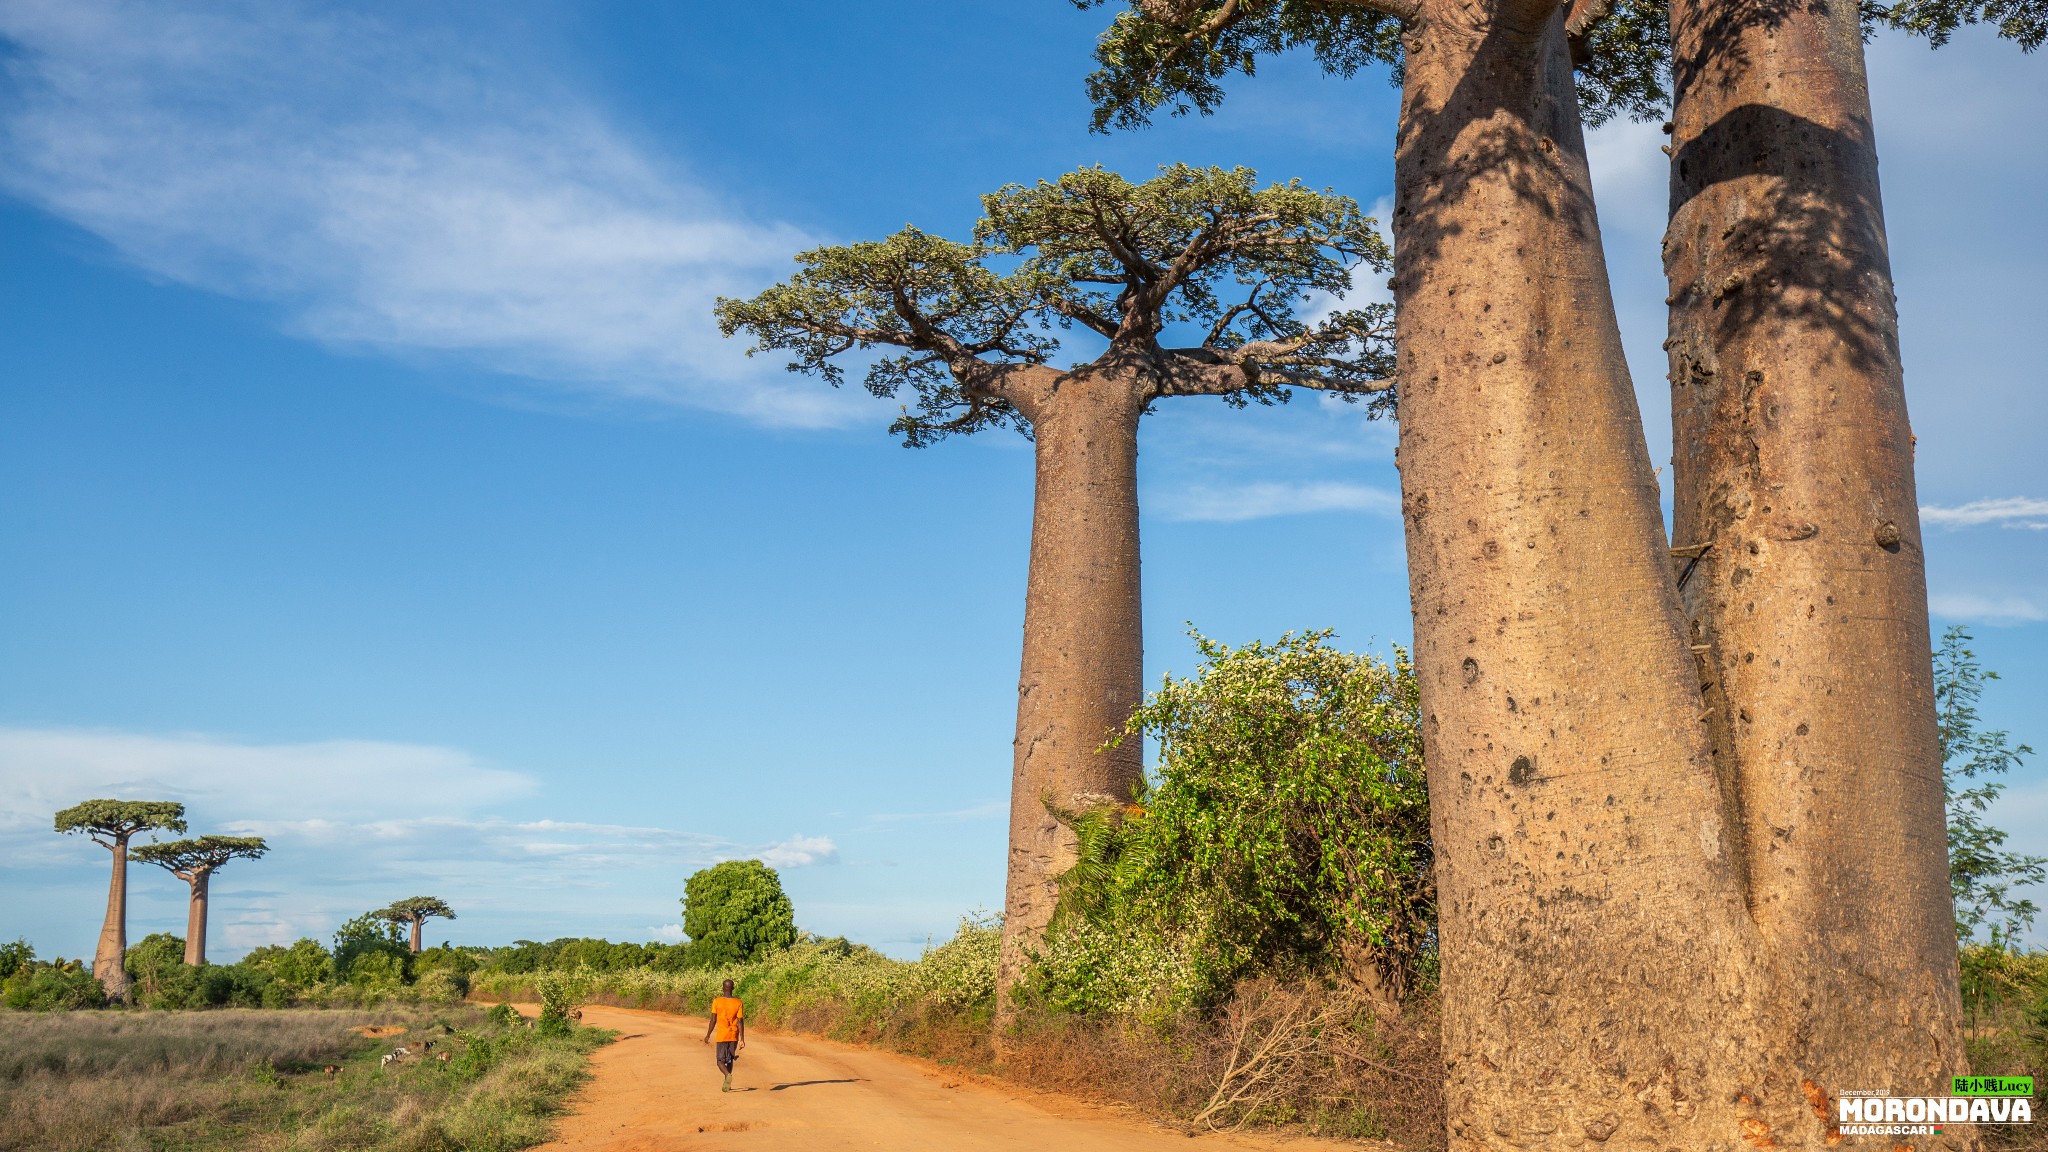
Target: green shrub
<point>56,986</point>
<point>1286,831</point>
<point>560,992</point>
<point>15,957</point>
<point>371,952</point>
<point>305,964</point>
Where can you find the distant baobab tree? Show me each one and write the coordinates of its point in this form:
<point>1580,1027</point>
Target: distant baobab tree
<point>195,861</point>
<point>414,912</point>
<point>110,824</point>
<point>1202,258</point>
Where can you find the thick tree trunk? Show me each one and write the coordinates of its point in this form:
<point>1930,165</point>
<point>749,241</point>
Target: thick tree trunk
<point>416,925</point>
<point>1083,667</point>
<point>195,920</point>
<point>1793,462</point>
<point>1596,956</point>
<point>109,960</point>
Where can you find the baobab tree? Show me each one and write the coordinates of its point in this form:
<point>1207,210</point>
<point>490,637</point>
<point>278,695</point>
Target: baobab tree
<point>414,912</point>
<point>195,861</point>
<point>110,824</point>
<point>1198,254</point>
<point>1796,512</point>
<point>1595,946</point>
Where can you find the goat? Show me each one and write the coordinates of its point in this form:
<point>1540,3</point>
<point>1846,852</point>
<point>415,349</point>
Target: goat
<point>401,1052</point>
<point>443,1057</point>
<point>331,1069</point>
<point>386,1061</point>
<point>427,1047</point>
<point>575,1013</point>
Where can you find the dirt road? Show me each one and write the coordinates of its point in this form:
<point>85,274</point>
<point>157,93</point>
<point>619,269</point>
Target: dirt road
<point>656,1090</point>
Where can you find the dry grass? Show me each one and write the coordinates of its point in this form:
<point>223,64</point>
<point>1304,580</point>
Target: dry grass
<point>254,1080</point>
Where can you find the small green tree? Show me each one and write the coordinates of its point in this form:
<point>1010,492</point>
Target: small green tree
<point>413,913</point>
<point>302,965</point>
<point>370,949</point>
<point>1982,874</point>
<point>110,824</point>
<point>1287,829</point>
<point>735,912</point>
<point>195,861</point>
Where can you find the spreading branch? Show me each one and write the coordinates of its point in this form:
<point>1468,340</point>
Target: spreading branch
<point>109,823</point>
<point>189,860</point>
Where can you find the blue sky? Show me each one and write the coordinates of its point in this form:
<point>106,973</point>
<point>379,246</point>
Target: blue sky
<point>372,477</point>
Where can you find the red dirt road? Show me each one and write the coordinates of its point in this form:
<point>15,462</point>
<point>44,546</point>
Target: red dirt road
<point>656,1090</point>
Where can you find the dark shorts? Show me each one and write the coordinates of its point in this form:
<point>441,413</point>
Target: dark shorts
<point>728,1051</point>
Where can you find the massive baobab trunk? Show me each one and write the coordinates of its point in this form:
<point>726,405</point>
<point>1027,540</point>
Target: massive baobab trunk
<point>1597,961</point>
<point>195,919</point>
<point>1084,655</point>
<point>1793,462</point>
<point>109,962</point>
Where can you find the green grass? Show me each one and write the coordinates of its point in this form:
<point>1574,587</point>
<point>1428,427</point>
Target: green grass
<point>212,1081</point>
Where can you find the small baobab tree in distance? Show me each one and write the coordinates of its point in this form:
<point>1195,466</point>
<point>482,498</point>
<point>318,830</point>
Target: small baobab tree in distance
<point>414,912</point>
<point>1200,253</point>
<point>110,824</point>
<point>195,861</point>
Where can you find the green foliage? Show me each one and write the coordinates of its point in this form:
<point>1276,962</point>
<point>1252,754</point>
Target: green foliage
<point>59,985</point>
<point>1287,830</point>
<point>560,993</point>
<point>302,966</point>
<point>735,912</point>
<point>106,821</point>
<point>15,957</point>
<point>1193,248</point>
<point>416,910</point>
<point>371,951</point>
<point>502,1015</point>
<point>582,952</point>
<point>1982,874</point>
<point>154,962</point>
<point>201,854</point>
<point>1176,55</point>
<point>2022,21</point>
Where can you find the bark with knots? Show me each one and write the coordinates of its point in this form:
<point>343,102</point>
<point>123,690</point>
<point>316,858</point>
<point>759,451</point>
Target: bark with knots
<point>1793,461</point>
<point>1205,252</point>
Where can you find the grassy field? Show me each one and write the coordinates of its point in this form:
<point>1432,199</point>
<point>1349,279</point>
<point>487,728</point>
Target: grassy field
<point>135,1081</point>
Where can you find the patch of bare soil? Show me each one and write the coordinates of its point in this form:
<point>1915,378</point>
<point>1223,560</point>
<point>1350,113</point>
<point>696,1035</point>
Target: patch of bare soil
<point>657,1090</point>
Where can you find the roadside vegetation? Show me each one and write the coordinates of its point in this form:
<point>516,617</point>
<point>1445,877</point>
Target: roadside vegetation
<point>297,1080</point>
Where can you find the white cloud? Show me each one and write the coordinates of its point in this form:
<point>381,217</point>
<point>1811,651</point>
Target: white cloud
<point>1990,610</point>
<point>396,191</point>
<point>666,933</point>
<point>1262,500</point>
<point>799,852</point>
<point>2005,511</point>
<point>327,783</point>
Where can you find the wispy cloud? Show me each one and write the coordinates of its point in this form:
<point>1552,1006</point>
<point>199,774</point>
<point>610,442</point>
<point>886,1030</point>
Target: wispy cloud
<point>2005,511</point>
<point>799,852</point>
<point>1262,500</point>
<point>1989,609</point>
<point>391,189</point>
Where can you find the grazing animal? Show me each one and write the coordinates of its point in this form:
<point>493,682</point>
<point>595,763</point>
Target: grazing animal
<point>427,1047</point>
<point>443,1057</point>
<point>331,1069</point>
<point>575,1013</point>
<point>401,1052</point>
<point>386,1061</point>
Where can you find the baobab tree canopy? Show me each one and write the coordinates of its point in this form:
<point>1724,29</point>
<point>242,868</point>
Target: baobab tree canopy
<point>187,858</point>
<point>416,910</point>
<point>108,822</point>
<point>1202,250</point>
<point>1176,54</point>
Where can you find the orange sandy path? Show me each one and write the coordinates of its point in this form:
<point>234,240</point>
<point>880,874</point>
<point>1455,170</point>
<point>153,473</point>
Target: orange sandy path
<point>656,1090</point>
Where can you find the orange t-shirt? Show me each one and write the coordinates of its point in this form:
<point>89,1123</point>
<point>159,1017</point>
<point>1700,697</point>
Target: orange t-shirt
<point>728,1012</point>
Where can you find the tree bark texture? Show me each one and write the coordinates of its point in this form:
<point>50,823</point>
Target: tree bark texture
<point>109,962</point>
<point>1083,664</point>
<point>416,925</point>
<point>195,919</point>
<point>1793,462</point>
<point>1596,955</point>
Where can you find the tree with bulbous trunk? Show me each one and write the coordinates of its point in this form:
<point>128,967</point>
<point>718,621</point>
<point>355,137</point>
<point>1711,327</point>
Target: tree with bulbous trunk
<point>195,861</point>
<point>110,824</point>
<point>414,912</point>
<point>1598,965</point>
<point>1193,283</point>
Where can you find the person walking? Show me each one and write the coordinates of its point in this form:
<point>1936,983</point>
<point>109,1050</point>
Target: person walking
<point>729,1020</point>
